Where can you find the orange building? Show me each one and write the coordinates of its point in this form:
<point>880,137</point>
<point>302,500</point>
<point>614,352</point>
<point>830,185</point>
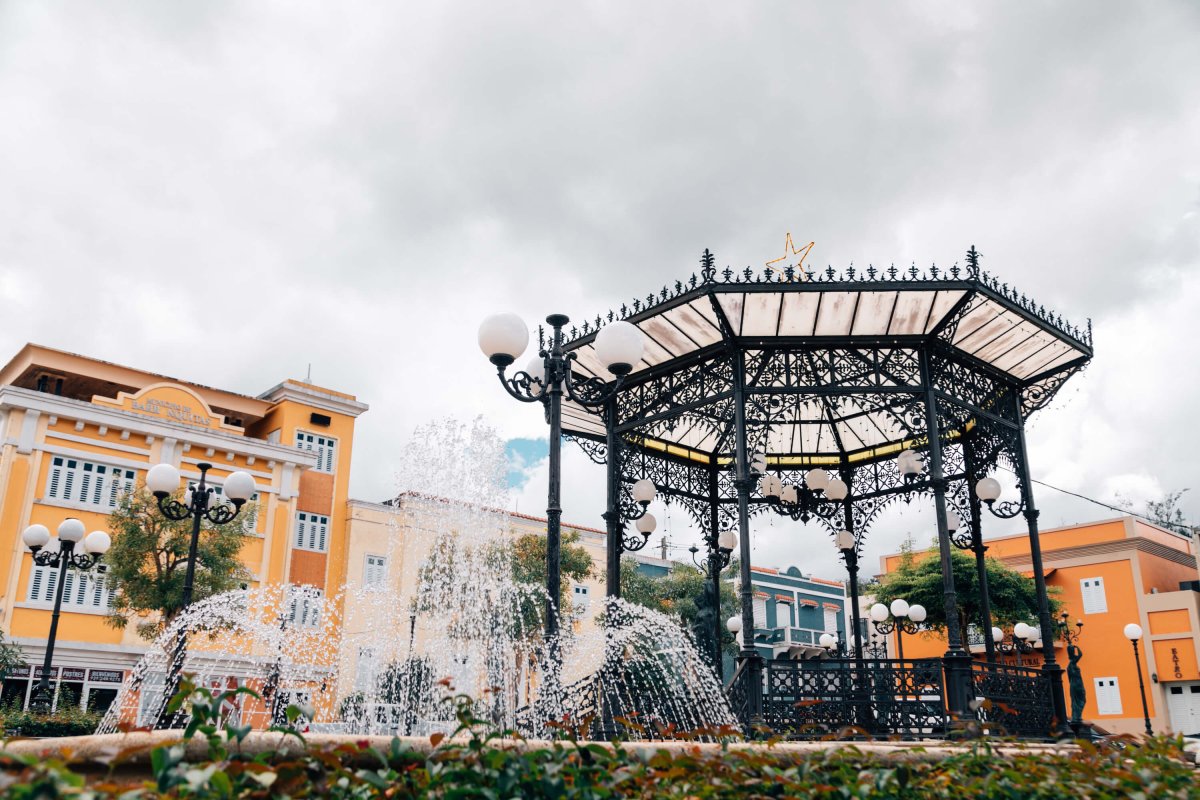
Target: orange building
<point>1109,574</point>
<point>76,432</point>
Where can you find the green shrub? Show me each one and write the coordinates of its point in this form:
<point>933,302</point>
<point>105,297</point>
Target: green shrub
<point>479,765</point>
<point>68,720</point>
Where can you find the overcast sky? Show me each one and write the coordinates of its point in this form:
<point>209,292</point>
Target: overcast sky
<point>227,192</point>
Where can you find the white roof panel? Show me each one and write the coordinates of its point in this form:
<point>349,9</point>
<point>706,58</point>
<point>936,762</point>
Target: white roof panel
<point>799,313</point>
<point>837,309</point>
<point>911,314</point>
<point>760,314</point>
<point>874,313</point>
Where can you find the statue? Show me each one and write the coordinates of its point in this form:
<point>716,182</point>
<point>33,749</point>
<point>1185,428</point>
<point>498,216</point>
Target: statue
<point>1075,679</point>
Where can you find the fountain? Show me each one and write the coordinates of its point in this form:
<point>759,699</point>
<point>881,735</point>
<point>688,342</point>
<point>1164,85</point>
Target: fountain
<point>472,629</point>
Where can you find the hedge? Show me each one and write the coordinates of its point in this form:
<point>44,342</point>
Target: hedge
<point>476,764</point>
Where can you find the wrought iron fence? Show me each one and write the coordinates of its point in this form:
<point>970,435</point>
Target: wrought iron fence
<point>1019,701</point>
<point>880,698</point>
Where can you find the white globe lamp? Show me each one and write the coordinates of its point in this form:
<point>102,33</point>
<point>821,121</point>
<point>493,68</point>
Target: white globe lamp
<point>644,491</point>
<point>899,607</point>
<point>162,479</point>
<point>36,537</point>
<point>619,345</point>
<point>239,487</point>
<point>503,338</point>
<point>97,543</point>
<point>71,530</point>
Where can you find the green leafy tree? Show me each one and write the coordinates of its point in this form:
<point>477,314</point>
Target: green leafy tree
<point>148,560</point>
<point>528,560</point>
<point>10,657</point>
<point>918,579</point>
<point>679,593</point>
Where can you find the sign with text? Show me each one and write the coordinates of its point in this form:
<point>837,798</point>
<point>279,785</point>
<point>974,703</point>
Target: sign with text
<point>171,402</point>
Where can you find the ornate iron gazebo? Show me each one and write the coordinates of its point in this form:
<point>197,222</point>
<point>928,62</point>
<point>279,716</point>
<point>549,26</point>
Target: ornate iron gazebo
<point>841,371</point>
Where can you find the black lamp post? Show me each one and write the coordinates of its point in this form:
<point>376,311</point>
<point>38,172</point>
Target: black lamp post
<point>718,559</point>
<point>1022,640</point>
<point>1133,632</point>
<point>545,379</point>
<point>904,619</point>
<point>70,533</point>
<point>162,480</point>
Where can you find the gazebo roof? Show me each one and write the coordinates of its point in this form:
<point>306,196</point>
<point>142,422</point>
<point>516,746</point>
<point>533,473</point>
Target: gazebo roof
<point>828,318</point>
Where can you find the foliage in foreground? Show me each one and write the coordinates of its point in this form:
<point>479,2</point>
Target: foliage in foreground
<point>476,763</point>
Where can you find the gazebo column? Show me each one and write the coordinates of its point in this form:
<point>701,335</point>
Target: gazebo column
<point>851,557</point>
<point>751,662</point>
<point>612,513</point>
<point>1050,667</point>
<point>957,660</point>
<point>976,510</point>
<point>714,565</point>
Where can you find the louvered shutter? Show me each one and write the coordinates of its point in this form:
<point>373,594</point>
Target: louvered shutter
<point>36,579</point>
<point>56,478</point>
<point>68,480</point>
<point>323,526</point>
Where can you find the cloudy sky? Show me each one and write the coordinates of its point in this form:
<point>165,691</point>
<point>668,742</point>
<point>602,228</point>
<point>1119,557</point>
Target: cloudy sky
<point>229,192</point>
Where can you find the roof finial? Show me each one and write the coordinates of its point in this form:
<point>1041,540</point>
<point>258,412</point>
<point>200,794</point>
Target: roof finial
<point>973,257</point>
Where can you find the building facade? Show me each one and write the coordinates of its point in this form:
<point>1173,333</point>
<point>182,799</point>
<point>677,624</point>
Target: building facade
<point>1109,574</point>
<point>792,610</point>
<point>76,432</point>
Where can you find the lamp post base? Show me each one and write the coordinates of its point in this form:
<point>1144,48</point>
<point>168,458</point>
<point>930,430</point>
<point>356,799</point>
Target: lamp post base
<point>42,699</point>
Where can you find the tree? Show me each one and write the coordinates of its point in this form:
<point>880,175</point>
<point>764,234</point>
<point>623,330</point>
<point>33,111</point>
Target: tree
<point>10,657</point>
<point>680,592</point>
<point>148,560</point>
<point>1166,512</point>
<point>528,559</point>
<point>918,579</point>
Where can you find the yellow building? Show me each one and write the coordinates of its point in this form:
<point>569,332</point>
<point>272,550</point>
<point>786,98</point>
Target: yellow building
<point>75,432</point>
<point>388,542</point>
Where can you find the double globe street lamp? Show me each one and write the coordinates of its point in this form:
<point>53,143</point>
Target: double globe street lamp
<point>162,480</point>
<point>94,546</point>
<point>544,379</point>
<point>905,618</point>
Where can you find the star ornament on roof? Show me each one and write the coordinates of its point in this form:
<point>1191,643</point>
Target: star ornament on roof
<point>787,260</point>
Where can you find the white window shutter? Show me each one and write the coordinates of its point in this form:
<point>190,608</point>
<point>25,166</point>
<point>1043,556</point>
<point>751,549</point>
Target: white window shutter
<point>56,475</point>
<point>1094,599</point>
<point>36,579</point>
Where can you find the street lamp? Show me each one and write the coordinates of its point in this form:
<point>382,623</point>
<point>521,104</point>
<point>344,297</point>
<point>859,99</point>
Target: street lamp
<point>718,559</point>
<point>70,533</point>
<point>818,494</point>
<point>619,345</point>
<point>163,479</point>
<point>905,619</point>
<point>1133,632</point>
<point>1023,640</point>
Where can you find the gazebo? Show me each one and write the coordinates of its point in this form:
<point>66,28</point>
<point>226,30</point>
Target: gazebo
<point>761,389</point>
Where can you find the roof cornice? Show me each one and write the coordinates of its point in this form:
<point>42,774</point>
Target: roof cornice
<point>12,397</point>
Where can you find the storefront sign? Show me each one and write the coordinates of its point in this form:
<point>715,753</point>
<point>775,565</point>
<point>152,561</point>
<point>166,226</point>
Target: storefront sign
<point>106,675</point>
<point>175,411</point>
<point>19,672</point>
<point>73,674</point>
<point>37,673</point>
<point>1175,662</point>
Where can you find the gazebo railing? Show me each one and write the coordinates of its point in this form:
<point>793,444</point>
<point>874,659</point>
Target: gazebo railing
<point>1019,699</point>
<point>818,698</point>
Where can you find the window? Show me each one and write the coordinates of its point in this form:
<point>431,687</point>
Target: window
<point>364,672</point>
<point>324,447</point>
<point>92,484</point>
<point>1108,696</point>
<point>304,609</point>
<point>375,571</point>
<point>831,617</point>
<point>760,612</point>
<point>83,590</point>
<point>579,600</point>
<point>312,532</point>
<point>783,614</point>
<point>1094,601</point>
